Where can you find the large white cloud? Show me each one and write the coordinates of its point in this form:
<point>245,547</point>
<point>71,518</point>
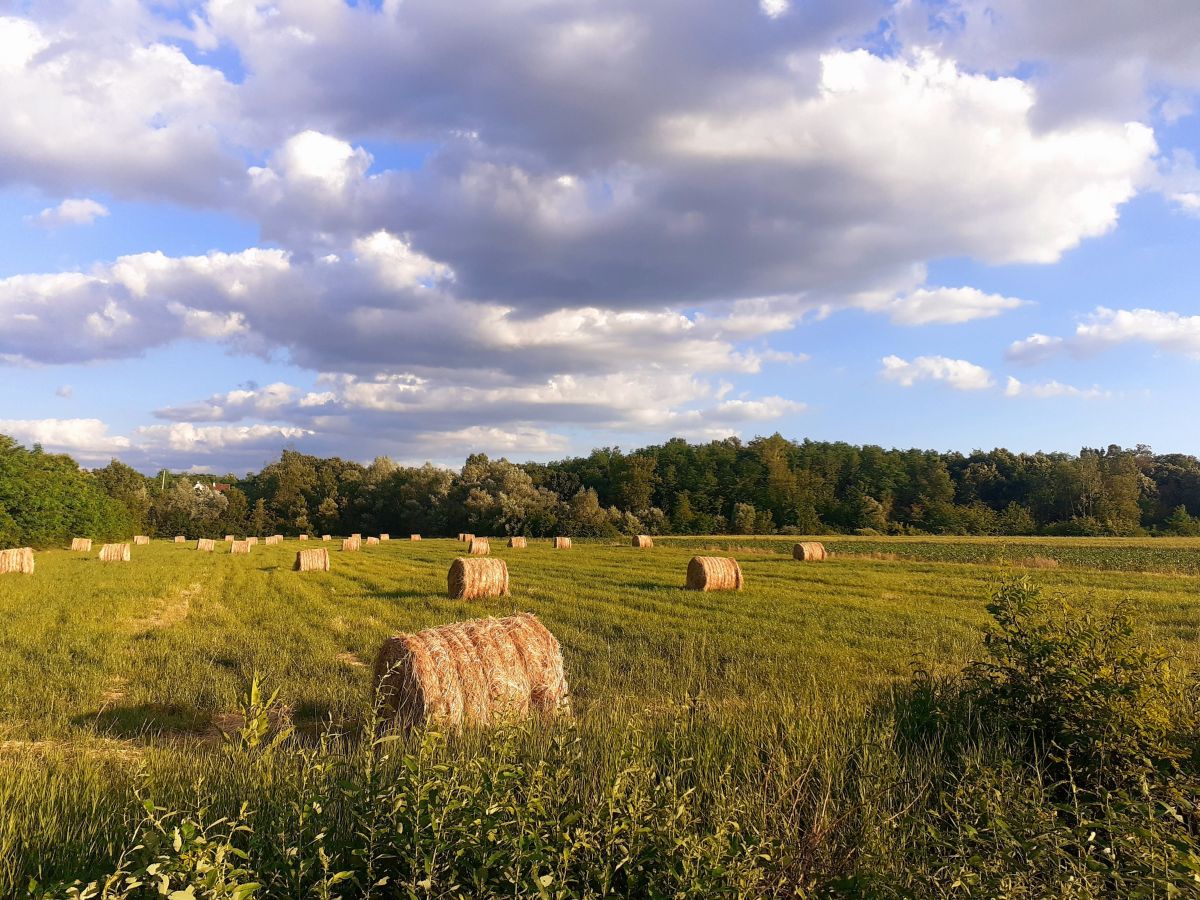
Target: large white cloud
<point>1106,328</point>
<point>957,373</point>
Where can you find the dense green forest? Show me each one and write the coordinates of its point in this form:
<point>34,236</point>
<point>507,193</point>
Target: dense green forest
<point>767,485</point>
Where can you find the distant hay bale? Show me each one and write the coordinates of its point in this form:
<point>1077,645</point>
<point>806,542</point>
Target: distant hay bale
<point>479,547</point>
<point>273,539</point>
<point>18,560</point>
<point>384,538</point>
<point>208,545</point>
<point>561,543</point>
<point>518,543</point>
<point>357,536</point>
<point>809,551</point>
<point>414,537</point>
<point>252,541</point>
<point>643,541</point>
<point>714,573</point>
<point>82,544</point>
<point>303,537</point>
<point>372,541</point>
<point>461,535</point>
<point>467,537</point>
<point>239,548</point>
<point>229,538</point>
<point>141,540</point>
<point>114,553</point>
<point>351,544</point>
<point>312,560</point>
<point>470,674</point>
<point>327,537</point>
<point>469,579</point>
<point>181,539</point>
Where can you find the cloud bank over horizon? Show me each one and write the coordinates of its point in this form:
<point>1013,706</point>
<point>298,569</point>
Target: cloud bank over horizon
<point>537,227</point>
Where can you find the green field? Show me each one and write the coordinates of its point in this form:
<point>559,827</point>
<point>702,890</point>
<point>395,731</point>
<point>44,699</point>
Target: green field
<point>738,735</point>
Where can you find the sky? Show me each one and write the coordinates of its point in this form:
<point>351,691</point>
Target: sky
<point>426,228</point>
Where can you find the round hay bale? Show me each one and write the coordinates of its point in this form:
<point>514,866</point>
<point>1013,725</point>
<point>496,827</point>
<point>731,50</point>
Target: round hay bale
<point>350,545</point>
<point>384,538</point>
<point>561,543</point>
<point>809,551</point>
<point>357,535</point>
<point>18,560</point>
<point>467,538</point>
<point>229,538</point>
<point>253,541</point>
<point>643,541</point>
<point>470,674</point>
<point>327,537</point>
<point>312,560</point>
<point>461,535</point>
<point>414,537</point>
<point>479,547</point>
<point>372,541</point>
<point>471,578</point>
<point>239,548</point>
<point>83,545</point>
<point>207,545</point>
<point>303,537</point>
<point>714,573</point>
<point>273,539</point>
<point>141,540</point>
<point>518,543</point>
<point>181,539</point>
<point>114,553</point>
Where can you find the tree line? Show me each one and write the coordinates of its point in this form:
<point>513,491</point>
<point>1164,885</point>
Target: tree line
<point>770,485</point>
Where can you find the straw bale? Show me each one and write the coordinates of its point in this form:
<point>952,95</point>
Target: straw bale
<point>561,543</point>
<point>643,541</point>
<point>141,540</point>
<point>17,560</point>
<point>471,674</point>
<point>239,548</point>
<point>809,551</point>
<point>303,537</point>
<point>384,538</point>
<point>518,543</point>
<point>312,560</point>
<point>114,553</point>
<point>327,537</point>
<point>208,545</point>
<point>471,578</point>
<point>351,544</point>
<point>229,538</point>
<point>479,547</point>
<point>181,538</point>
<point>82,544</point>
<point>714,573</point>
<point>414,537</point>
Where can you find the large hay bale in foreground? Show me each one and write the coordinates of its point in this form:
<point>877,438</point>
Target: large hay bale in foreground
<point>81,544</point>
<point>181,538</point>
<point>561,543</point>
<point>469,579</point>
<point>470,674</point>
<point>18,560</point>
<point>239,548</point>
<point>114,553</point>
<point>141,540</point>
<point>809,551</point>
<point>643,541</point>
<point>414,537</point>
<point>518,543</point>
<point>351,544</point>
<point>714,573</point>
<point>312,560</point>
<point>207,545</point>
<point>384,538</point>
<point>479,547</point>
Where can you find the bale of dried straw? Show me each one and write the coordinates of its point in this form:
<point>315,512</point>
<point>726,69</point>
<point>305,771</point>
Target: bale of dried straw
<point>518,543</point>
<point>304,537</point>
<point>18,560</point>
<point>385,537</point>
<point>470,578</point>
<point>239,548</point>
<point>467,537</point>
<point>809,551</point>
<point>714,573</point>
<point>357,536</point>
<point>327,537</point>
<point>643,541</point>
<point>561,543</point>
<point>114,553</point>
<point>470,674</point>
<point>208,545</point>
<point>372,541</point>
<point>252,541</point>
<point>84,544</point>
<point>479,547</point>
<point>461,535</point>
<point>414,537</point>
<point>141,540</point>
<point>273,539</point>
<point>229,538</point>
<point>351,544</point>
<point>312,560</point>
<point>181,539</point>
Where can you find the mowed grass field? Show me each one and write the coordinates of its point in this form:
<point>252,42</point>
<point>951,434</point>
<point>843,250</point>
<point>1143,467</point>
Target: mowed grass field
<point>118,678</point>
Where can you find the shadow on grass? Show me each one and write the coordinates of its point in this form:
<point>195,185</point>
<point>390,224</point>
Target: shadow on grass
<point>145,720</point>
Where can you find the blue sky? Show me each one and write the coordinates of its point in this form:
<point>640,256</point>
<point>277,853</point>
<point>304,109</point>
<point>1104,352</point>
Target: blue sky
<point>413,230</point>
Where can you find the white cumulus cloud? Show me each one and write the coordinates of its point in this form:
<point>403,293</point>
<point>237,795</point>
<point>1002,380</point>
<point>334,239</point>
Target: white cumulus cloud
<point>957,373</point>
